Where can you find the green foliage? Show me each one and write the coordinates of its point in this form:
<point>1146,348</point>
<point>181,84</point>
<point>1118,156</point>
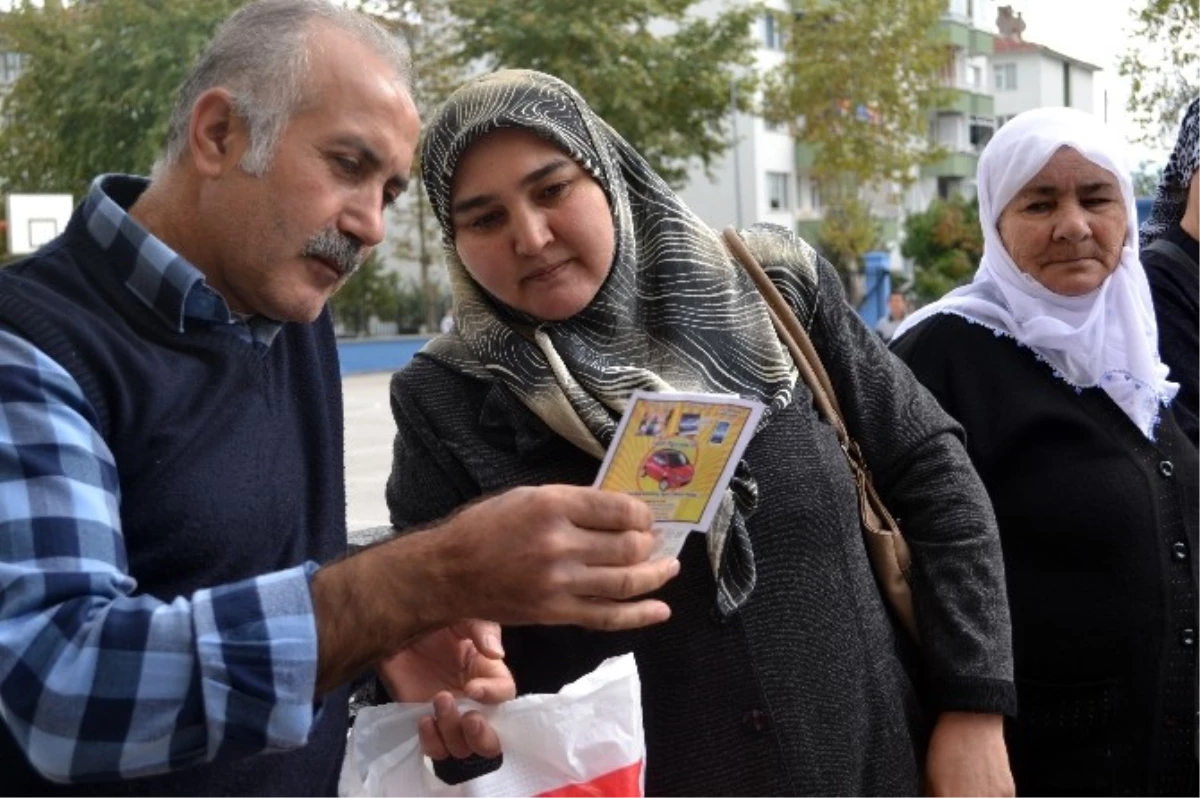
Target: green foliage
<point>98,86</point>
<point>1161,62</point>
<point>848,232</point>
<point>945,243</point>
<point>429,29</point>
<point>373,291</point>
<point>1146,178</point>
<point>668,93</point>
<point>858,81</point>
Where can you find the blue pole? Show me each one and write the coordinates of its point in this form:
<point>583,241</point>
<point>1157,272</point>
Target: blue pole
<point>878,286</point>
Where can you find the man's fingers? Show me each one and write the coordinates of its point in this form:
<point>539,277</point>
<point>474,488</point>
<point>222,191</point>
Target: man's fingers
<point>616,548</point>
<point>626,582</point>
<point>480,735</point>
<point>615,616</point>
<point>589,508</point>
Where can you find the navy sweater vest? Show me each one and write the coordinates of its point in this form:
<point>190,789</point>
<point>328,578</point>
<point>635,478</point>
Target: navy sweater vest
<point>230,466</point>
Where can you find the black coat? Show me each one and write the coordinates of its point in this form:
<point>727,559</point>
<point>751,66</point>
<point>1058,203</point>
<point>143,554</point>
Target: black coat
<point>1099,529</point>
<point>803,691</point>
<point>1175,287</point>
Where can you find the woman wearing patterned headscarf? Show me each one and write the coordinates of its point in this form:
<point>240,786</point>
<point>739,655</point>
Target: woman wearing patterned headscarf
<point>1048,359</point>
<point>1169,253</point>
<point>578,276</point>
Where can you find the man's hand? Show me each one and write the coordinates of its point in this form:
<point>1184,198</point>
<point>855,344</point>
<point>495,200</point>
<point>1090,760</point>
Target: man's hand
<point>967,756</point>
<point>555,554</point>
<point>464,659</point>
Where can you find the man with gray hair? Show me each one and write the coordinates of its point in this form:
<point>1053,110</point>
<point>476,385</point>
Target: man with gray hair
<point>174,595</point>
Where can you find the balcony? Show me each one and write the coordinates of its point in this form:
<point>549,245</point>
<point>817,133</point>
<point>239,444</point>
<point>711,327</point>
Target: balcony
<point>958,164</point>
<point>969,103</point>
<point>961,35</point>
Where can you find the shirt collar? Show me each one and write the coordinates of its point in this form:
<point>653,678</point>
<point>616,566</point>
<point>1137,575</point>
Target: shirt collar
<point>163,280</point>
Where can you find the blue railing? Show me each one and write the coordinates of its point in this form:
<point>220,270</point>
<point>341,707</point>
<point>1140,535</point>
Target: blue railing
<point>361,355</point>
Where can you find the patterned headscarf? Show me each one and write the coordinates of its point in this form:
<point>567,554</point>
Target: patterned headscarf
<point>1106,338</point>
<point>1171,199</point>
<point>675,312</point>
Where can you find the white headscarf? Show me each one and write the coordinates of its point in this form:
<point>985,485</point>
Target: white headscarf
<point>1107,338</point>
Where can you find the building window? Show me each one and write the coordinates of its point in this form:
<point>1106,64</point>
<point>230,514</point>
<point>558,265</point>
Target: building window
<point>777,191</point>
<point>772,32</point>
<point>1006,76</point>
<point>814,195</point>
<point>10,67</point>
<point>976,77</point>
<point>949,187</point>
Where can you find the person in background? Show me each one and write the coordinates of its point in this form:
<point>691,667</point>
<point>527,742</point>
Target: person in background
<point>447,321</point>
<point>1049,360</point>
<point>579,276</point>
<point>897,312</point>
<point>174,596</point>
<point>1169,254</point>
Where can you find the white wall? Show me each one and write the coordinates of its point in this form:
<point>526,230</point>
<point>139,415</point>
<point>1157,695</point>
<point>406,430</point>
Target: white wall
<point>1051,71</point>
<point>1083,89</point>
<point>952,132</point>
<point>1028,93</point>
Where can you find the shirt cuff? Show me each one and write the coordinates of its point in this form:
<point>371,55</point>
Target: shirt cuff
<point>256,643</point>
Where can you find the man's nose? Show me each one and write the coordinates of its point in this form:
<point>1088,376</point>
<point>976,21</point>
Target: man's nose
<point>363,219</point>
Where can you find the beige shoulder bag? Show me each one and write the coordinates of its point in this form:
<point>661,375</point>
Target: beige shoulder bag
<point>886,548</point>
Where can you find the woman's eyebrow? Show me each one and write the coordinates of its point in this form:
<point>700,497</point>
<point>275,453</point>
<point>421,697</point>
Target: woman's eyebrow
<point>479,200</point>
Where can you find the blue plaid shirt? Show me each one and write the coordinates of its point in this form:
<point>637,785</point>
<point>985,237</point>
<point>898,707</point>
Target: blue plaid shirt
<point>79,647</point>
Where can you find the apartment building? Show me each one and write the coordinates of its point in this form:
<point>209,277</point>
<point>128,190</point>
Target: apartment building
<point>767,176</point>
<point>1027,75</point>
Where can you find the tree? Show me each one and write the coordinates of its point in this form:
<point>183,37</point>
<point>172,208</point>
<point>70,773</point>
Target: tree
<point>848,232</point>
<point>1162,78</point>
<point>97,88</point>
<point>428,28</point>
<point>1146,178</point>
<point>858,82</point>
<point>945,242</point>
<point>372,291</point>
<point>661,76</point>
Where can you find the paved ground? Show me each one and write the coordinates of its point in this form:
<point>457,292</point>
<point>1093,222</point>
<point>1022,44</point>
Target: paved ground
<point>369,433</point>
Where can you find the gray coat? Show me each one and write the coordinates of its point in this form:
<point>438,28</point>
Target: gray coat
<point>811,687</point>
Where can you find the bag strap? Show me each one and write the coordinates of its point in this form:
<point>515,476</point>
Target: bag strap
<point>875,515</point>
<point>792,333</point>
<point>1171,251</point>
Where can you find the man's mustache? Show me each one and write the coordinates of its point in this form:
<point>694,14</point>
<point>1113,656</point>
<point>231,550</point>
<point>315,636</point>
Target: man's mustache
<point>344,252</point>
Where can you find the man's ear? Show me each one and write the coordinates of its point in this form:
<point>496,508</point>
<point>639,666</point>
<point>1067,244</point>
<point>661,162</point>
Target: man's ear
<point>217,135</point>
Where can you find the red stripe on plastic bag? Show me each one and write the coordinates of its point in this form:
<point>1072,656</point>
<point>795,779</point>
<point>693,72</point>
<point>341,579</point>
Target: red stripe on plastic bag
<point>626,781</point>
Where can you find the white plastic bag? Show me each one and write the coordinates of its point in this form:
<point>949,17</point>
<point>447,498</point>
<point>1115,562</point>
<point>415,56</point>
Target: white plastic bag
<point>585,740</point>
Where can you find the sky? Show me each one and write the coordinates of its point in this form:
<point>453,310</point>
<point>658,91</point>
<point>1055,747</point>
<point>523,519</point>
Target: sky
<point>1098,32</point>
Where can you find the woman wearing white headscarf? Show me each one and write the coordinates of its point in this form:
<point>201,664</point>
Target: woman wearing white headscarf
<point>1048,359</point>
